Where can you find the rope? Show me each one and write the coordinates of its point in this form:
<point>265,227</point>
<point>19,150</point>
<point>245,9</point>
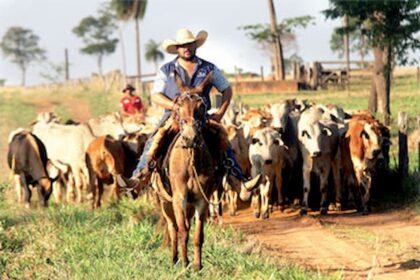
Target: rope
<point>199,185</point>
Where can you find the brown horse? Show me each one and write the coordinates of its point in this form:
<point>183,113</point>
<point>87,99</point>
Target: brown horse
<point>192,174</point>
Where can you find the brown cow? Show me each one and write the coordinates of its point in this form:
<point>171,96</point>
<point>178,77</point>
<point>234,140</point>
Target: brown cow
<point>365,144</point>
<point>106,158</point>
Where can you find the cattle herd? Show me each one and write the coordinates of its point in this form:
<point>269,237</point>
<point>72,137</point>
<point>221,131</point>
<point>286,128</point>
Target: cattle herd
<point>308,155</point>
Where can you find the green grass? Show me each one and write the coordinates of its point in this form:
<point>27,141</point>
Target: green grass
<point>118,242</point>
<point>16,110</point>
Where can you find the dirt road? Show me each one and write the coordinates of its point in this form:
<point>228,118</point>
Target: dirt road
<point>378,246</point>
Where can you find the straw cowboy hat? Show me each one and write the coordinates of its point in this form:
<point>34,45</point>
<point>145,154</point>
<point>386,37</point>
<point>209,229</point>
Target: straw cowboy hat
<point>184,36</point>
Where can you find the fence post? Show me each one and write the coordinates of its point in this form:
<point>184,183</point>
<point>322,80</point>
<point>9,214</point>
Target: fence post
<point>402,144</point>
<point>418,144</point>
<point>66,65</point>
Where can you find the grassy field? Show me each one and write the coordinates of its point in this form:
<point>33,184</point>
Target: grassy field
<point>119,241</point>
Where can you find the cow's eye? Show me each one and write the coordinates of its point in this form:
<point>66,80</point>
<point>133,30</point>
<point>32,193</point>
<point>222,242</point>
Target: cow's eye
<point>255,141</point>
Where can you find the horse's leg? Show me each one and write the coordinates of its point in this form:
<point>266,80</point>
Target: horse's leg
<point>168,214</point>
<point>179,204</point>
<point>200,214</point>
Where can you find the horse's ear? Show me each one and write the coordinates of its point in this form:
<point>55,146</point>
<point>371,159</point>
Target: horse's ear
<point>204,83</point>
<point>179,83</point>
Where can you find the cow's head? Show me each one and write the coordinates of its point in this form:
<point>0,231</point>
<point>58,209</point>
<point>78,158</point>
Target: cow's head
<point>371,137</point>
<point>266,145</point>
<point>280,112</point>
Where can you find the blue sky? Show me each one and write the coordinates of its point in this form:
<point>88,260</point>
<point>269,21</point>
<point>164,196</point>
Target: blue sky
<point>227,47</point>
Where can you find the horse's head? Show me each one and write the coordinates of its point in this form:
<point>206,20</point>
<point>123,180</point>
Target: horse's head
<point>190,112</point>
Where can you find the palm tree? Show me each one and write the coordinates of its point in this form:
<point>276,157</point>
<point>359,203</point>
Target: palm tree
<point>153,54</point>
<point>132,10</point>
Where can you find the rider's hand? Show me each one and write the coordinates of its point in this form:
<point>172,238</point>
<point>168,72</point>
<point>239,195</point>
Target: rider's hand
<point>216,117</point>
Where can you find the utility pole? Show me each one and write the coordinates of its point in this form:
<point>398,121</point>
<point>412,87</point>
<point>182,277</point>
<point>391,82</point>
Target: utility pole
<point>277,47</point>
<point>66,64</point>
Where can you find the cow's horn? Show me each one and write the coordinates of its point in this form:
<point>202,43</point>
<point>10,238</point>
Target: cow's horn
<point>248,187</point>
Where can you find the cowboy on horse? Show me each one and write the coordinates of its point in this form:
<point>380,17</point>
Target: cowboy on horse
<point>200,75</point>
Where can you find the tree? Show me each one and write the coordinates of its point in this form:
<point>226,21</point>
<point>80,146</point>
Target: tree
<point>262,34</point>
<point>357,41</point>
<point>97,35</point>
<point>20,45</point>
<point>153,54</point>
<point>132,10</point>
<point>391,28</point>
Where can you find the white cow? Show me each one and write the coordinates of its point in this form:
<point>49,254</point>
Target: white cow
<point>267,156</point>
<point>113,124</point>
<point>66,146</point>
<point>319,145</point>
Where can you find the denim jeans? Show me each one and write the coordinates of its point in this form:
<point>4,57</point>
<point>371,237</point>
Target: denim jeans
<point>229,161</point>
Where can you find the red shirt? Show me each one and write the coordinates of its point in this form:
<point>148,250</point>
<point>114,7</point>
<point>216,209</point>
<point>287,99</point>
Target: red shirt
<point>131,104</point>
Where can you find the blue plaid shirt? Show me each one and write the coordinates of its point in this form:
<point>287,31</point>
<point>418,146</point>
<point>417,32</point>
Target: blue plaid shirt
<point>165,80</point>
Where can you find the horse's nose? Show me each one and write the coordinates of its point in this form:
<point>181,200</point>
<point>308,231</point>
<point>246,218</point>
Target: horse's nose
<point>268,161</point>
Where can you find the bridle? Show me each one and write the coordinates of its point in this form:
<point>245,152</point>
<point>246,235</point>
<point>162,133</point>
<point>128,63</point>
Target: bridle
<point>197,122</point>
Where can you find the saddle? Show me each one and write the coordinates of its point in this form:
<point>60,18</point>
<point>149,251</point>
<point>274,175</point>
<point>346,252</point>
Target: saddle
<point>215,137</point>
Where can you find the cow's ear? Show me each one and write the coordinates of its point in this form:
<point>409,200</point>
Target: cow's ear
<point>364,134</point>
<point>327,131</point>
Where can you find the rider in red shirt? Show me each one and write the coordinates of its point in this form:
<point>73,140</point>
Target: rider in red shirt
<point>130,103</point>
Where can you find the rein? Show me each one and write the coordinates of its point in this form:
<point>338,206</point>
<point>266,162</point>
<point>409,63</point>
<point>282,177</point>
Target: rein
<point>197,181</point>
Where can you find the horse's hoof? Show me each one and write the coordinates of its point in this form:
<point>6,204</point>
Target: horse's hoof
<point>197,267</point>
<point>257,215</point>
<point>265,216</point>
<point>365,212</point>
<point>323,211</point>
<point>303,212</point>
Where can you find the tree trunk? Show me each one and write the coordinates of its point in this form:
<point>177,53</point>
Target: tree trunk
<point>124,61</point>
<point>381,83</point>
<point>23,76</point>
<point>277,47</point>
<point>346,43</point>
<point>100,65</point>
<point>362,50</point>
<point>138,80</point>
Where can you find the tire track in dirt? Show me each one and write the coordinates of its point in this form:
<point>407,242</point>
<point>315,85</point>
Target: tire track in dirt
<point>310,242</point>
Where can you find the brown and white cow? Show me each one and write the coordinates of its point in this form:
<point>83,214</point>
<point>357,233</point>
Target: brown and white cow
<point>366,142</point>
<point>240,149</point>
<point>319,144</point>
<point>27,158</point>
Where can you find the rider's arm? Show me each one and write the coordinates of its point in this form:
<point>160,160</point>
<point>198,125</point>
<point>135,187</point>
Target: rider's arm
<point>222,86</point>
<point>163,101</point>
<point>226,97</point>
